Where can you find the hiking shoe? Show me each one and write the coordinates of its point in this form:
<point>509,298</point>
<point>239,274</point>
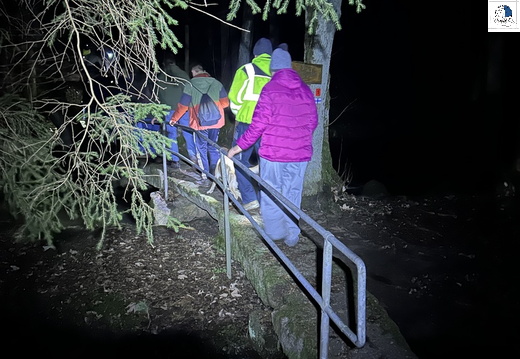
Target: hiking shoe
<point>251,205</point>
<point>175,165</point>
<point>292,242</point>
<point>204,182</point>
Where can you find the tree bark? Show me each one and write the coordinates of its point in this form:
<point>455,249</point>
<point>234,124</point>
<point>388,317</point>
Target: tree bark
<point>318,49</point>
<point>244,52</point>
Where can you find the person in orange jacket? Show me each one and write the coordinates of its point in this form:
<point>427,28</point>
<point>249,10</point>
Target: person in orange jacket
<point>202,83</point>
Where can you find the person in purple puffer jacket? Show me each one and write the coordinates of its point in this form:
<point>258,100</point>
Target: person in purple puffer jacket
<point>284,119</point>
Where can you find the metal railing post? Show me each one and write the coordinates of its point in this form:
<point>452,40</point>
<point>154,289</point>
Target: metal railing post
<point>165,166</point>
<point>357,337</point>
<point>326,288</point>
<point>227,227</point>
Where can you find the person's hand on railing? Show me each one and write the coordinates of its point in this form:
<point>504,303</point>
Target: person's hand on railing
<point>171,121</point>
<point>234,151</point>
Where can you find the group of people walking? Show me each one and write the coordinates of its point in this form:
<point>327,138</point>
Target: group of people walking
<point>275,118</point>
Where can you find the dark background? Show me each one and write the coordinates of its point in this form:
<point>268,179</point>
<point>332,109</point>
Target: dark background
<point>430,93</point>
<point>431,101</point>
<point>422,96</point>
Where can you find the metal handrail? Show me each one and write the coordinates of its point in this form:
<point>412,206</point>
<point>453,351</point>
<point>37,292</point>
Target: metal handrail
<point>357,336</point>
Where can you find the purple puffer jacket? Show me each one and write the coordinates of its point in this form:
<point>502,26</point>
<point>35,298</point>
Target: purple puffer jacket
<point>285,118</point>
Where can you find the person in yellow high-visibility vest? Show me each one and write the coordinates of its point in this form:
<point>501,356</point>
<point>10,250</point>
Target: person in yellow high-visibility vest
<point>243,95</point>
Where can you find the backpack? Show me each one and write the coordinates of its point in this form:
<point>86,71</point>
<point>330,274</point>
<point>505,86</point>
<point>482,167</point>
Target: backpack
<point>208,113</point>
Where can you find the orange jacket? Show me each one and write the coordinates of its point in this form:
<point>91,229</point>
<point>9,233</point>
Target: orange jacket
<point>190,100</point>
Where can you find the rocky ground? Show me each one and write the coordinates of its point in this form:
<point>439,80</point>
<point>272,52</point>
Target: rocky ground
<point>441,266</point>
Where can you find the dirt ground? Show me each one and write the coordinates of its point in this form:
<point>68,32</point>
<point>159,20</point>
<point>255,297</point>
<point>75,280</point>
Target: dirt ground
<point>439,265</point>
<point>442,266</point>
<point>171,299</point>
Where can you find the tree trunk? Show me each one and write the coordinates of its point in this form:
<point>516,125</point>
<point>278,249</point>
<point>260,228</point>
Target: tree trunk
<point>187,49</point>
<point>318,48</point>
<point>226,54</point>
<point>244,52</point>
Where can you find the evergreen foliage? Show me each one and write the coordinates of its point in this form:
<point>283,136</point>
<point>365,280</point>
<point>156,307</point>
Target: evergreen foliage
<point>45,180</point>
<point>315,8</point>
<point>47,75</point>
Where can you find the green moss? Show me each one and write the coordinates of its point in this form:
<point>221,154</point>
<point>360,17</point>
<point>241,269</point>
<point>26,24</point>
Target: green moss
<point>296,326</point>
<point>329,175</point>
<point>376,313</point>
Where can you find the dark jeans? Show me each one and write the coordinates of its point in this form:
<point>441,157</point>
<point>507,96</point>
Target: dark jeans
<point>209,155</point>
<point>245,185</point>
